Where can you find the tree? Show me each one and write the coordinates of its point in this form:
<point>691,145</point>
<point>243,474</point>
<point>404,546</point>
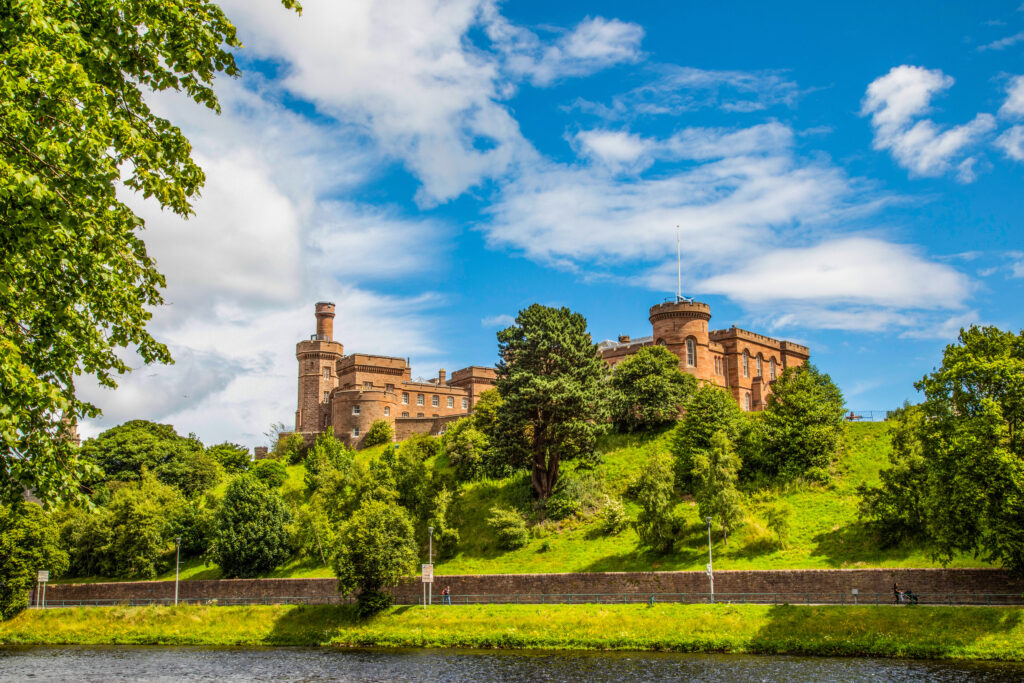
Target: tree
<point>715,472</point>
<point>271,472</point>
<point>550,378</point>
<point>709,410</point>
<point>466,448</point>
<point>374,550</point>
<point>446,535</point>
<point>76,282</point>
<point>659,523</point>
<point>422,446</point>
<point>122,452</point>
<point>799,432</point>
<point>250,537</point>
<point>647,389</point>
<point>328,455</point>
<point>379,433</point>
<point>192,472</point>
<point>290,448</point>
<point>233,457</point>
<point>139,527</point>
<point>29,541</point>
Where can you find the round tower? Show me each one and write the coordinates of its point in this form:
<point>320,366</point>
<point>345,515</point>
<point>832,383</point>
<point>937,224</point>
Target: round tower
<point>682,327</point>
<point>325,320</point>
<point>318,357</point>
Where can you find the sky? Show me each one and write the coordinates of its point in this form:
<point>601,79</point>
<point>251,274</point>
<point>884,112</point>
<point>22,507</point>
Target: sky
<point>845,176</point>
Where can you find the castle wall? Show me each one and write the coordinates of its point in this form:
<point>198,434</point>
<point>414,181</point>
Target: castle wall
<point>407,426</point>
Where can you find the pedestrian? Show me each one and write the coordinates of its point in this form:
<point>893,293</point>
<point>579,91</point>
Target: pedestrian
<point>447,595</point>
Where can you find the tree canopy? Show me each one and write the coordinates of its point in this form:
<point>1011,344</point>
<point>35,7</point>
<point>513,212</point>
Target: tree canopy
<point>648,388</point>
<point>29,541</point>
<point>250,536</point>
<point>76,282</point>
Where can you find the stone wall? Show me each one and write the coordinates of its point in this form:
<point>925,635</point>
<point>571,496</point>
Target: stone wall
<point>867,581</point>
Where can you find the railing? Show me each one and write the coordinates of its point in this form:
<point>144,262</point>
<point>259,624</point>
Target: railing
<point>805,598</point>
<point>867,415</point>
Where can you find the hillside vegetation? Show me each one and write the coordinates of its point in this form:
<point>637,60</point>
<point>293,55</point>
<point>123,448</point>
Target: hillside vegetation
<point>824,530</point>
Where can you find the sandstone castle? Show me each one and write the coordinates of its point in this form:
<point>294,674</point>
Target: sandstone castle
<point>348,393</point>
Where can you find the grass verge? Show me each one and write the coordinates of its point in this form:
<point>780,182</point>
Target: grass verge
<point>920,632</point>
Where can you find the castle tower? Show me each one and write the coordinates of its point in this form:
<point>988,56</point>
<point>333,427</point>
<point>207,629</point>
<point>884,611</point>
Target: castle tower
<point>318,377</point>
<point>682,327</point>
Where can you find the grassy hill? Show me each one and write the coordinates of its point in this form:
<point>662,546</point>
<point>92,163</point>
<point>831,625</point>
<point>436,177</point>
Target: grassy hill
<point>825,530</point>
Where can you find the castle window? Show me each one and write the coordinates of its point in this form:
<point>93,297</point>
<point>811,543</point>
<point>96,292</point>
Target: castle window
<point>746,402</point>
<point>419,414</point>
<point>405,398</point>
<point>691,353</point>
<point>771,367</point>
<point>434,401</point>
<point>325,419</point>
<point>661,342</point>
<point>405,413</point>
<point>327,372</point>
<point>451,401</point>
<point>355,432</point>
<point>419,399</point>
<point>389,387</point>
<point>367,385</point>
<point>326,396</point>
<point>746,364</point>
<point>387,411</point>
<point>760,366</point>
<point>465,404</point>
<point>718,365</point>
<point>355,410</point>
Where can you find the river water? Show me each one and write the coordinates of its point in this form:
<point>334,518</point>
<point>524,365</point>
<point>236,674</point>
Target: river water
<point>82,664</point>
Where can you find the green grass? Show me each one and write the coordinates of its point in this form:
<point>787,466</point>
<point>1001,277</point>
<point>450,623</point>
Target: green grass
<point>920,632</point>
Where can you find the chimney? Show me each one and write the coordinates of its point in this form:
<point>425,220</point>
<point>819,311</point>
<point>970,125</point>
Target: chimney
<point>623,338</point>
<point>324,321</point>
<point>440,377</point>
<point>260,452</point>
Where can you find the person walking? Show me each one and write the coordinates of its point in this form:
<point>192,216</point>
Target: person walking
<point>446,594</point>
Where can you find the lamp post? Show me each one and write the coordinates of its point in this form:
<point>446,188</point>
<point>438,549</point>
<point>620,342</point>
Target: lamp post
<point>711,571</point>
<point>177,565</point>
<point>430,561</point>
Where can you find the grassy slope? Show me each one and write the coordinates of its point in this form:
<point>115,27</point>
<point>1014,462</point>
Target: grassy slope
<point>825,531</point>
<point>934,632</point>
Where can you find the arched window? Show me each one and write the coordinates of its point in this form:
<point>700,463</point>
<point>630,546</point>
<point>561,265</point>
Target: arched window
<point>760,366</point>
<point>746,402</point>
<point>771,367</point>
<point>661,342</point>
<point>691,352</point>
<point>746,363</point>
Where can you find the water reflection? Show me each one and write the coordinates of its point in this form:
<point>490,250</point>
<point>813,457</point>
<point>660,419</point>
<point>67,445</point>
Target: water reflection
<point>301,664</point>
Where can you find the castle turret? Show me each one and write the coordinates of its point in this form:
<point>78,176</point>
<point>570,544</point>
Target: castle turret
<point>318,359</point>
<point>682,327</point>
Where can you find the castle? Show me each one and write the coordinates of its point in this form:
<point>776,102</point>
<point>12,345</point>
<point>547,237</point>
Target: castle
<point>348,393</point>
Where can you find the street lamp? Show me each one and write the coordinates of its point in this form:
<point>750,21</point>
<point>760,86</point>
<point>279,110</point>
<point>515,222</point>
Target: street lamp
<point>430,561</point>
<point>711,571</point>
<point>177,565</point>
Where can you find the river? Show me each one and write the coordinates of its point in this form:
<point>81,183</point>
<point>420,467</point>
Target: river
<point>84,664</point>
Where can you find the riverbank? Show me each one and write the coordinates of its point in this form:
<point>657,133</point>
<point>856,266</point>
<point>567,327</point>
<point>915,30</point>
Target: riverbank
<point>917,632</point>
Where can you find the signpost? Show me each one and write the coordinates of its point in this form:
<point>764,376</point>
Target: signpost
<point>428,578</point>
<point>41,578</point>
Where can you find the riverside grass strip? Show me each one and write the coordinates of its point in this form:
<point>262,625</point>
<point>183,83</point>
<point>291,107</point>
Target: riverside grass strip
<point>914,632</point>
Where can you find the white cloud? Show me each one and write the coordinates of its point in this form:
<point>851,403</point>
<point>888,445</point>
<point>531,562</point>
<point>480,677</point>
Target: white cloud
<point>1014,105</point>
<point>1003,43</point>
<point>895,100</point>
<point>594,44</point>
<point>1012,143</point>
<point>501,320</point>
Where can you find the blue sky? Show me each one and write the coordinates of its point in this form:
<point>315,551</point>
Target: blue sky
<point>848,177</point>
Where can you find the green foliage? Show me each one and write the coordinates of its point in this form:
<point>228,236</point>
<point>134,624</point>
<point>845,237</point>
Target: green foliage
<point>76,282</point>
<point>779,516</point>
<point>659,524</point>
<point>192,522</point>
<point>271,472</point>
<point>509,527</point>
<point>709,410</point>
<point>647,389</point>
<point>234,458</point>
<point>550,378</point>
<point>403,476</point>
<point>466,448</point>
<point>799,432</point>
<point>290,448</point>
<point>575,493</point>
<point>715,472</point>
<point>327,459</point>
<point>375,548</point>
<point>378,434</point>
<point>29,541</point>
<point>250,538</point>
<point>446,534</point>
<point>614,517</point>
<point>315,532</point>
<point>421,446</point>
<point>192,472</point>
<point>485,412</point>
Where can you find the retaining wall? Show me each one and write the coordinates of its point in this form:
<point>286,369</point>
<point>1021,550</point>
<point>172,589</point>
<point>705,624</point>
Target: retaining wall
<point>993,581</point>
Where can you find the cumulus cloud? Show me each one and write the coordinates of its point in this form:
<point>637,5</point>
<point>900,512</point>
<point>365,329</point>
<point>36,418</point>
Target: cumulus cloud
<point>1011,142</point>
<point>897,100</point>
<point>1014,104</point>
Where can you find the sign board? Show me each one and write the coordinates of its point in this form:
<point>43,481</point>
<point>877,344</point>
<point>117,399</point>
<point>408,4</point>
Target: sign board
<point>707,567</point>
<point>428,573</point>
<point>44,575</point>
<point>854,591</point>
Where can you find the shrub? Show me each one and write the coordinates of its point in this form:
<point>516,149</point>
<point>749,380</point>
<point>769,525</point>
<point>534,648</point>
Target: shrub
<point>29,541</point>
<point>290,448</point>
<point>271,472</point>
<point>658,524</point>
<point>327,455</point>
<point>779,517</point>
<point>613,516</point>
<point>423,446</point>
<point>374,550</point>
<point>466,448</point>
<point>378,434</point>
<point>192,472</point>
<point>714,484</point>
<point>647,389</point>
<point>446,536</point>
<point>139,529</point>
<point>250,537</point>
<point>562,506</point>
<point>232,457</point>
<point>509,528</point>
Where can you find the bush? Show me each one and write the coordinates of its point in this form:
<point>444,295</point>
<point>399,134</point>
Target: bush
<point>232,457</point>
<point>192,472</point>
<point>780,520</point>
<point>139,532</point>
<point>613,516</point>
<point>466,448</point>
<point>326,456</point>
<point>374,550</point>
<point>250,537</point>
<point>290,448</point>
<point>562,506</point>
<point>378,434</point>
<point>271,472</point>
<point>658,524</point>
<point>647,389</point>
<point>423,446</point>
<point>29,541</point>
<point>446,536</point>
<point>509,528</point>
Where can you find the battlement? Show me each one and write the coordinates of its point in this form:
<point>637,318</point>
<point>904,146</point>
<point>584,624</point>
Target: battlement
<point>680,309</point>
